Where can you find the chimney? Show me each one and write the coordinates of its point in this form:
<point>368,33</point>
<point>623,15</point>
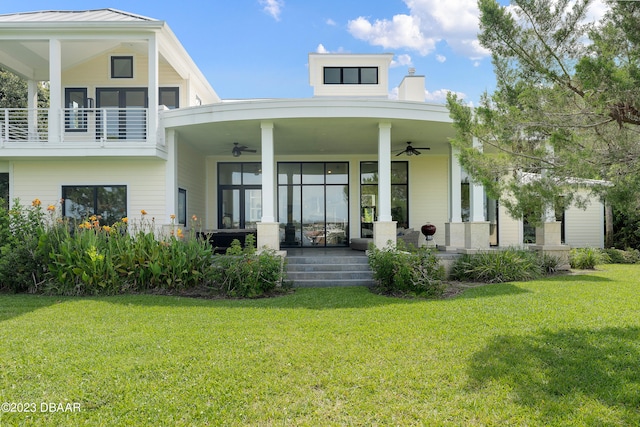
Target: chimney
<point>412,87</point>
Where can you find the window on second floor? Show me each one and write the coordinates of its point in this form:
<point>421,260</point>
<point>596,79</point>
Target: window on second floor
<point>122,67</point>
<point>169,97</point>
<point>351,75</point>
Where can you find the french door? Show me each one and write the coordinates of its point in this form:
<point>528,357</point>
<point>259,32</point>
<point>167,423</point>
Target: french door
<point>313,204</point>
<point>121,113</point>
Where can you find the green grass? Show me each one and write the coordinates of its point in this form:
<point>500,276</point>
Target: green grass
<point>559,351</point>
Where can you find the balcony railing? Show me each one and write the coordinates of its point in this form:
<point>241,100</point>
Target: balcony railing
<point>88,125</point>
<point>21,124</point>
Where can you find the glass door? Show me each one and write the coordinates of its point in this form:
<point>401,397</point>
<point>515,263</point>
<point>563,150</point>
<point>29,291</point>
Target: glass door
<point>239,195</point>
<point>313,204</point>
<point>123,114</point>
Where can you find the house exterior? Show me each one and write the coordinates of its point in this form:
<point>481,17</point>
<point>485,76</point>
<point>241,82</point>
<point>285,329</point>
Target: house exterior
<point>134,125</point>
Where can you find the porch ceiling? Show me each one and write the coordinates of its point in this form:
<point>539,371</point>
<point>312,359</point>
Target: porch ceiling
<point>316,135</point>
<point>30,58</point>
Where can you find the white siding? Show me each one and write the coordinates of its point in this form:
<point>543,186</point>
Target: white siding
<point>192,176</point>
<point>585,228</point>
<point>429,193</point>
<point>509,229</point>
<point>144,179</point>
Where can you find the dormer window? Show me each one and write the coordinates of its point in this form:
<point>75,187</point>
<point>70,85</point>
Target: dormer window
<point>122,67</point>
<point>351,75</point>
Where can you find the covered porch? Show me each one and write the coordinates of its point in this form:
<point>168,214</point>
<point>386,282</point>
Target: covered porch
<point>351,133</point>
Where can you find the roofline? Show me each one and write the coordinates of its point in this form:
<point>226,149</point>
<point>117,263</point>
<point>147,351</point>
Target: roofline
<point>274,109</point>
<point>134,15</point>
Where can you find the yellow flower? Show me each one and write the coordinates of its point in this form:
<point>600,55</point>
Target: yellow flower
<point>173,216</point>
<point>179,233</point>
<point>51,208</point>
<point>125,220</point>
<point>36,202</point>
<point>106,228</point>
<point>93,218</point>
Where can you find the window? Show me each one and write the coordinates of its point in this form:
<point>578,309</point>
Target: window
<point>4,190</point>
<point>350,75</point>
<point>75,117</point>
<point>122,67</point>
<point>239,195</point>
<point>169,97</point>
<point>109,202</point>
<point>182,206</point>
<point>369,195</point>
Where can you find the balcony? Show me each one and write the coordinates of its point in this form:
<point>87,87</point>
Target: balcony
<point>123,129</point>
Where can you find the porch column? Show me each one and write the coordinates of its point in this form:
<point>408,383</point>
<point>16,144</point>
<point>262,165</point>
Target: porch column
<point>384,229</point>
<point>268,228</point>
<point>55,91</point>
<point>477,229</point>
<point>152,131</point>
<point>171,183</point>
<point>32,105</point>
<point>171,176</point>
<point>454,229</point>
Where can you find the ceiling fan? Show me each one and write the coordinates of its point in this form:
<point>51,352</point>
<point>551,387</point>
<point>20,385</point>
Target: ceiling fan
<point>411,150</point>
<point>238,149</point>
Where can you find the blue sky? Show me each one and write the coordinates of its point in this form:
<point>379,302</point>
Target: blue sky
<point>259,48</point>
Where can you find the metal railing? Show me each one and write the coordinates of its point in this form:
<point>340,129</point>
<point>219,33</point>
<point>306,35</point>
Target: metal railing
<point>76,124</point>
<point>22,124</point>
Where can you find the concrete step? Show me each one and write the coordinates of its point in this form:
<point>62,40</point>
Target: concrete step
<point>324,271</point>
<point>327,267</point>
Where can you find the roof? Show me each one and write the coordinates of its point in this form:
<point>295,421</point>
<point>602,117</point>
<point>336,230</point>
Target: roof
<point>97,15</point>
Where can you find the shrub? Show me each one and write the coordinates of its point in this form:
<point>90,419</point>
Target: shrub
<point>587,258</point>
<point>22,265</point>
<point>618,256</point>
<point>397,272</point>
<point>502,266</point>
<point>43,252</point>
<point>243,272</point>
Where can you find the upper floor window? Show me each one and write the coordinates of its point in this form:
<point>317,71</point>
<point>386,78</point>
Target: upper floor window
<point>122,67</point>
<point>350,75</point>
<point>169,97</point>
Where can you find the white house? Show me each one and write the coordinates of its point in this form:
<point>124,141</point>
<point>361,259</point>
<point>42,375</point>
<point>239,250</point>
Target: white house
<point>133,124</point>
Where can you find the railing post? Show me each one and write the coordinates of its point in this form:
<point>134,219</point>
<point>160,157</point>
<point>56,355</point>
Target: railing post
<point>5,137</point>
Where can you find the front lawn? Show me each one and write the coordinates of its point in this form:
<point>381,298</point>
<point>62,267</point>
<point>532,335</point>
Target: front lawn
<point>559,351</point>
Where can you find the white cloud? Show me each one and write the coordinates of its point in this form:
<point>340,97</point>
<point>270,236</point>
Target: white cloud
<point>441,58</point>
<point>440,95</point>
<point>273,7</point>
<point>331,22</point>
<point>437,97</point>
<point>321,49</point>
<point>403,60</point>
<point>428,22</point>
<point>403,31</point>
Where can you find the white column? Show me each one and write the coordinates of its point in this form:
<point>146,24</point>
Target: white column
<point>476,196</point>
<point>171,175</point>
<point>268,228</point>
<point>455,180</point>
<point>55,90</point>
<point>268,174</point>
<point>152,131</point>
<point>384,172</point>
<point>32,105</point>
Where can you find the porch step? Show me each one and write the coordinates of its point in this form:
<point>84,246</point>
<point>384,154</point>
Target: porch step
<point>324,271</point>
